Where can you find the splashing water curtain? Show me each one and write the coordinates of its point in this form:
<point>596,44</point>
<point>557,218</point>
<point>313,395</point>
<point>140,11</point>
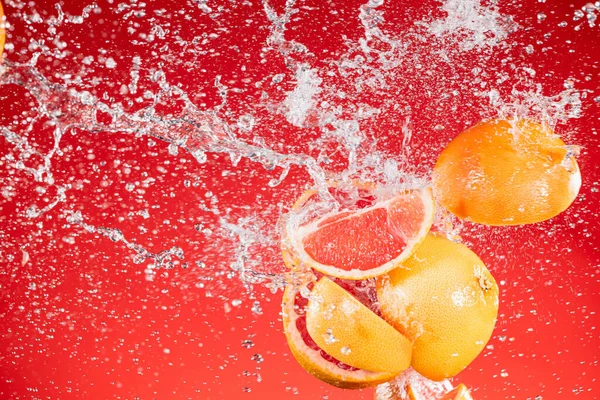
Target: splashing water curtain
<point>418,181</point>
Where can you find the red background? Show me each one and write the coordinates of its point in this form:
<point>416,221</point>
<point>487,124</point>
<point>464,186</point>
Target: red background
<point>79,319</point>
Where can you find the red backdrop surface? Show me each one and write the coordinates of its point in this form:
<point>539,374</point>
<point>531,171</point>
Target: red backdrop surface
<point>80,320</point>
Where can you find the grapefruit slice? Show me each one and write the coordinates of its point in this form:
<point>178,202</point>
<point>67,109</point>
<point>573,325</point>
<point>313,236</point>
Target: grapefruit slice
<point>349,331</point>
<point>316,360</point>
<point>369,234</point>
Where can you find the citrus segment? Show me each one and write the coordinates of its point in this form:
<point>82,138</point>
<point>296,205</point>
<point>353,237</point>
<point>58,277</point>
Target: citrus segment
<point>461,392</point>
<point>346,329</point>
<point>367,240</point>
<point>313,359</point>
<point>444,298</point>
<point>507,173</point>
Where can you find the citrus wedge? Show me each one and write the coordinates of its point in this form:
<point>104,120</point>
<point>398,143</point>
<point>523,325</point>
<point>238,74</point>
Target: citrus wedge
<point>347,330</point>
<point>368,235</point>
<point>315,360</point>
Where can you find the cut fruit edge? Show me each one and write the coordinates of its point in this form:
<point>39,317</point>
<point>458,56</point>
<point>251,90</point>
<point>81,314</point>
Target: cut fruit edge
<point>294,252</point>
<point>410,385</point>
<point>461,392</point>
<point>312,360</point>
<point>336,320</point>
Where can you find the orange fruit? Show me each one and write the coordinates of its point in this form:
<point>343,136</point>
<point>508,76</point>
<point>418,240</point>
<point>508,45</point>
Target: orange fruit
<point>506,173</point>
<point>318,362</point>
<point>2,31</point>
<point>444,298</point>
<point>369,232</point>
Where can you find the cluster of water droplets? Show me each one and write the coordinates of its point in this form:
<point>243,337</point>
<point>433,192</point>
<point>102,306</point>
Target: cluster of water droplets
<point>318,97</point>
<point>370,64</point>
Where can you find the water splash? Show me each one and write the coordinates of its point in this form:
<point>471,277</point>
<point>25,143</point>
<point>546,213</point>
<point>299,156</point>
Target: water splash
<point>472,24</point>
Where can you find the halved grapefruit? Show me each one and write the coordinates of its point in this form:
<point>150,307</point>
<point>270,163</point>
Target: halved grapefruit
<point>357,232</point>
<point>353,343</point>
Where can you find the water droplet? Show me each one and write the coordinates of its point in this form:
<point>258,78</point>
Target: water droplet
<point>247,344</point>
<point>200,156</point>
<point>246,123</point>
<point>329,338</point>
<point>374,3</point>
<point>115,235</point>
<point>32,212</point>
<point>256,308</point>
<point>345,350</point>
<point>173,149</point>
<point>258,358</point>
<point>110,63</point>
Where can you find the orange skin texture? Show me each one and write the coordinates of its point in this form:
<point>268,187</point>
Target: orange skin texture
<point>503,173</point>
<point>444,298</point>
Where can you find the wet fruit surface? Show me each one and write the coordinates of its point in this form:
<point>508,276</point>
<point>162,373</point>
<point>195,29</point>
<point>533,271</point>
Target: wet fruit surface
<point>357,241</point>
<point>444,298</point>
<point>507,173</point>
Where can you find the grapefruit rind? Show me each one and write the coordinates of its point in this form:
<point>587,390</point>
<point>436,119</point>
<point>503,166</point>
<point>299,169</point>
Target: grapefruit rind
<point>452,330</point>
<point>295,255</point>
<point>349,331</point>
<point>312,361</point>
<point>504,172</point>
